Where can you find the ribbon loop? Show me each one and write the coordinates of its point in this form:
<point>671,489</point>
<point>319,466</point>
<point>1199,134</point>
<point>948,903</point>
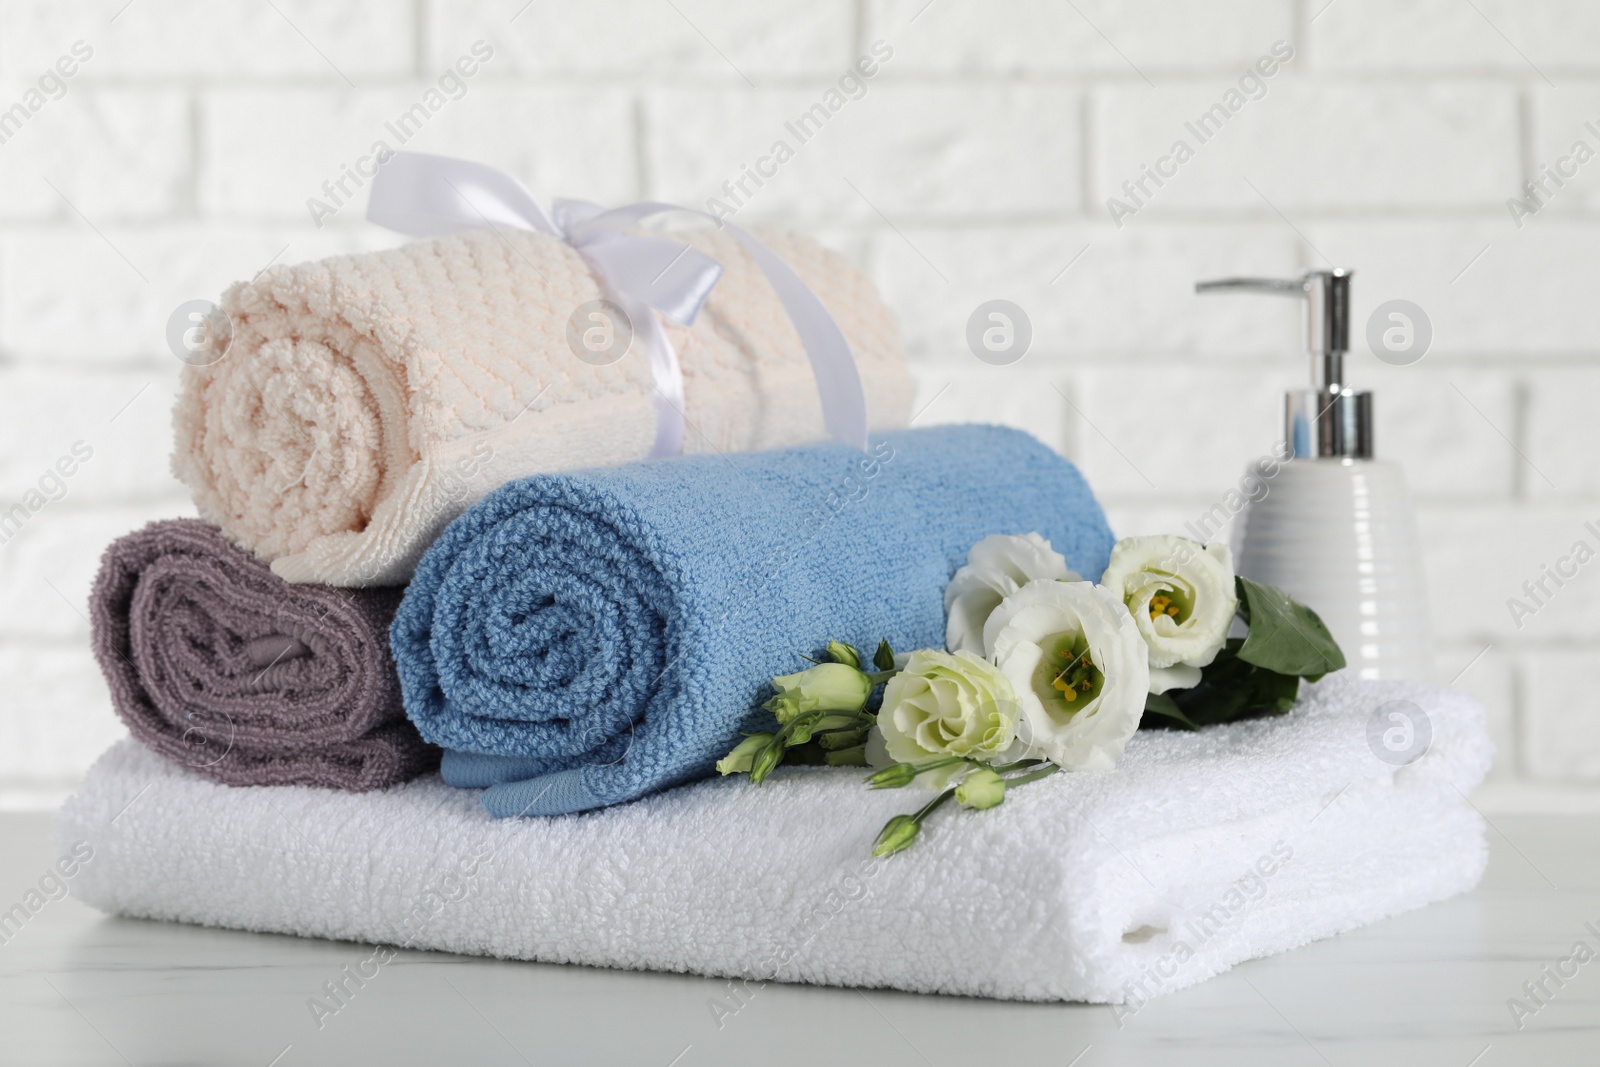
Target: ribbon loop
<point>670,277</point>
<point>434,196</point>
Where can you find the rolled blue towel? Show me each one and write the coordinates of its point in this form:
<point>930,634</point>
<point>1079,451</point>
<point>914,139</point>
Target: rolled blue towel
<point>578,640</point>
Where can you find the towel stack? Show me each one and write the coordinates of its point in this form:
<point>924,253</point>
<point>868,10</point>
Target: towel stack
<point>583,627</point>
<point>364,402</point>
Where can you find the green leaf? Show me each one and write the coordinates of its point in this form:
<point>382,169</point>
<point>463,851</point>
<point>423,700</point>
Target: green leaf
<point>1229,689</point>
<point>1162,705</point>
<point>883,659</point>
<point>1255,675</point>
<point>835,740</point>
<point>1286,637</point>
<point>847,757</point>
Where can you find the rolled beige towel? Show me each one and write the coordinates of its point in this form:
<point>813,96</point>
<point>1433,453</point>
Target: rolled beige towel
<point>366,400</point>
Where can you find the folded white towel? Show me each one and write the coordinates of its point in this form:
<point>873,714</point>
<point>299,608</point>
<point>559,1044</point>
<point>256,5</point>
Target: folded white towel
<point>1200,851</point>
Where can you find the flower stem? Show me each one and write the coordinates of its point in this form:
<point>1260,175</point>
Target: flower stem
<point>948,761</point>
<point>902,830</point>
<point>858,720</point>
<point>1017,766</point>
<point>933,805</point>
<point>900,775</point>
<point>1032,776</point>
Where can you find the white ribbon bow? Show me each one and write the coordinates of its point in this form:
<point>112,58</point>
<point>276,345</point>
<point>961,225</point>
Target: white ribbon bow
<point>433,196</point>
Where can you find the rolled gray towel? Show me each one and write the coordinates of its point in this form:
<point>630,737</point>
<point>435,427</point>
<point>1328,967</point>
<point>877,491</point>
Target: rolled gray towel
<point>216,663</point>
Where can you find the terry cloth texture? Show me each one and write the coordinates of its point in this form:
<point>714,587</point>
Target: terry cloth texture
<point>218,664</point>
<point>366,400</point>
<point>1200,851</point>
<point>610,631</point>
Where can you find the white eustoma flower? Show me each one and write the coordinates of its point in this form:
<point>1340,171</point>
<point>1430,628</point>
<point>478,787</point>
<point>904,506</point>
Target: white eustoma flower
<point>996,567</point>
<point>944,704</point>
<point>1079,668</point>
<point>1181,596</point>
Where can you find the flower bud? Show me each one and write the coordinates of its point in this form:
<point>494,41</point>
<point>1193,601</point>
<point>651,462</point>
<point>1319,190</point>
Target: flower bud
<point>840,652</point>
<point>765,761</point>
<point>743,755</point>
<point>801,729</point>
<point>787,706</point>
<point>833,687</point>
<point>894,777</point>
<point>898,833</point>
<point>983,788</point>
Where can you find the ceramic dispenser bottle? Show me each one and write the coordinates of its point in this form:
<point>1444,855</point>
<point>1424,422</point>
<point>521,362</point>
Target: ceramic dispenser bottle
<point>1335,527</point>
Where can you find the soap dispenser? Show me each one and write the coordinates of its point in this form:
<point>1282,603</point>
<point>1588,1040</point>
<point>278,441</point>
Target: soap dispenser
<point>1333,526</point>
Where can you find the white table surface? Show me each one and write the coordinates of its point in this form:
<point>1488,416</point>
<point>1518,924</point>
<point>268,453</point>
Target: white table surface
<point>1429,987</point>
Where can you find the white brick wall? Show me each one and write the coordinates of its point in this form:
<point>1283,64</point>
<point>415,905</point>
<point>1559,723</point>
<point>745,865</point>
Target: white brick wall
<point>1102,37</point>
<point>1308,145</point>
<point>976,166</point>
<point>924,149</point>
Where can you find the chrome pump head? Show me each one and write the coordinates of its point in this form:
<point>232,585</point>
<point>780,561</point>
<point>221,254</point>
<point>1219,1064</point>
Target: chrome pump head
<point>1328,420</point>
